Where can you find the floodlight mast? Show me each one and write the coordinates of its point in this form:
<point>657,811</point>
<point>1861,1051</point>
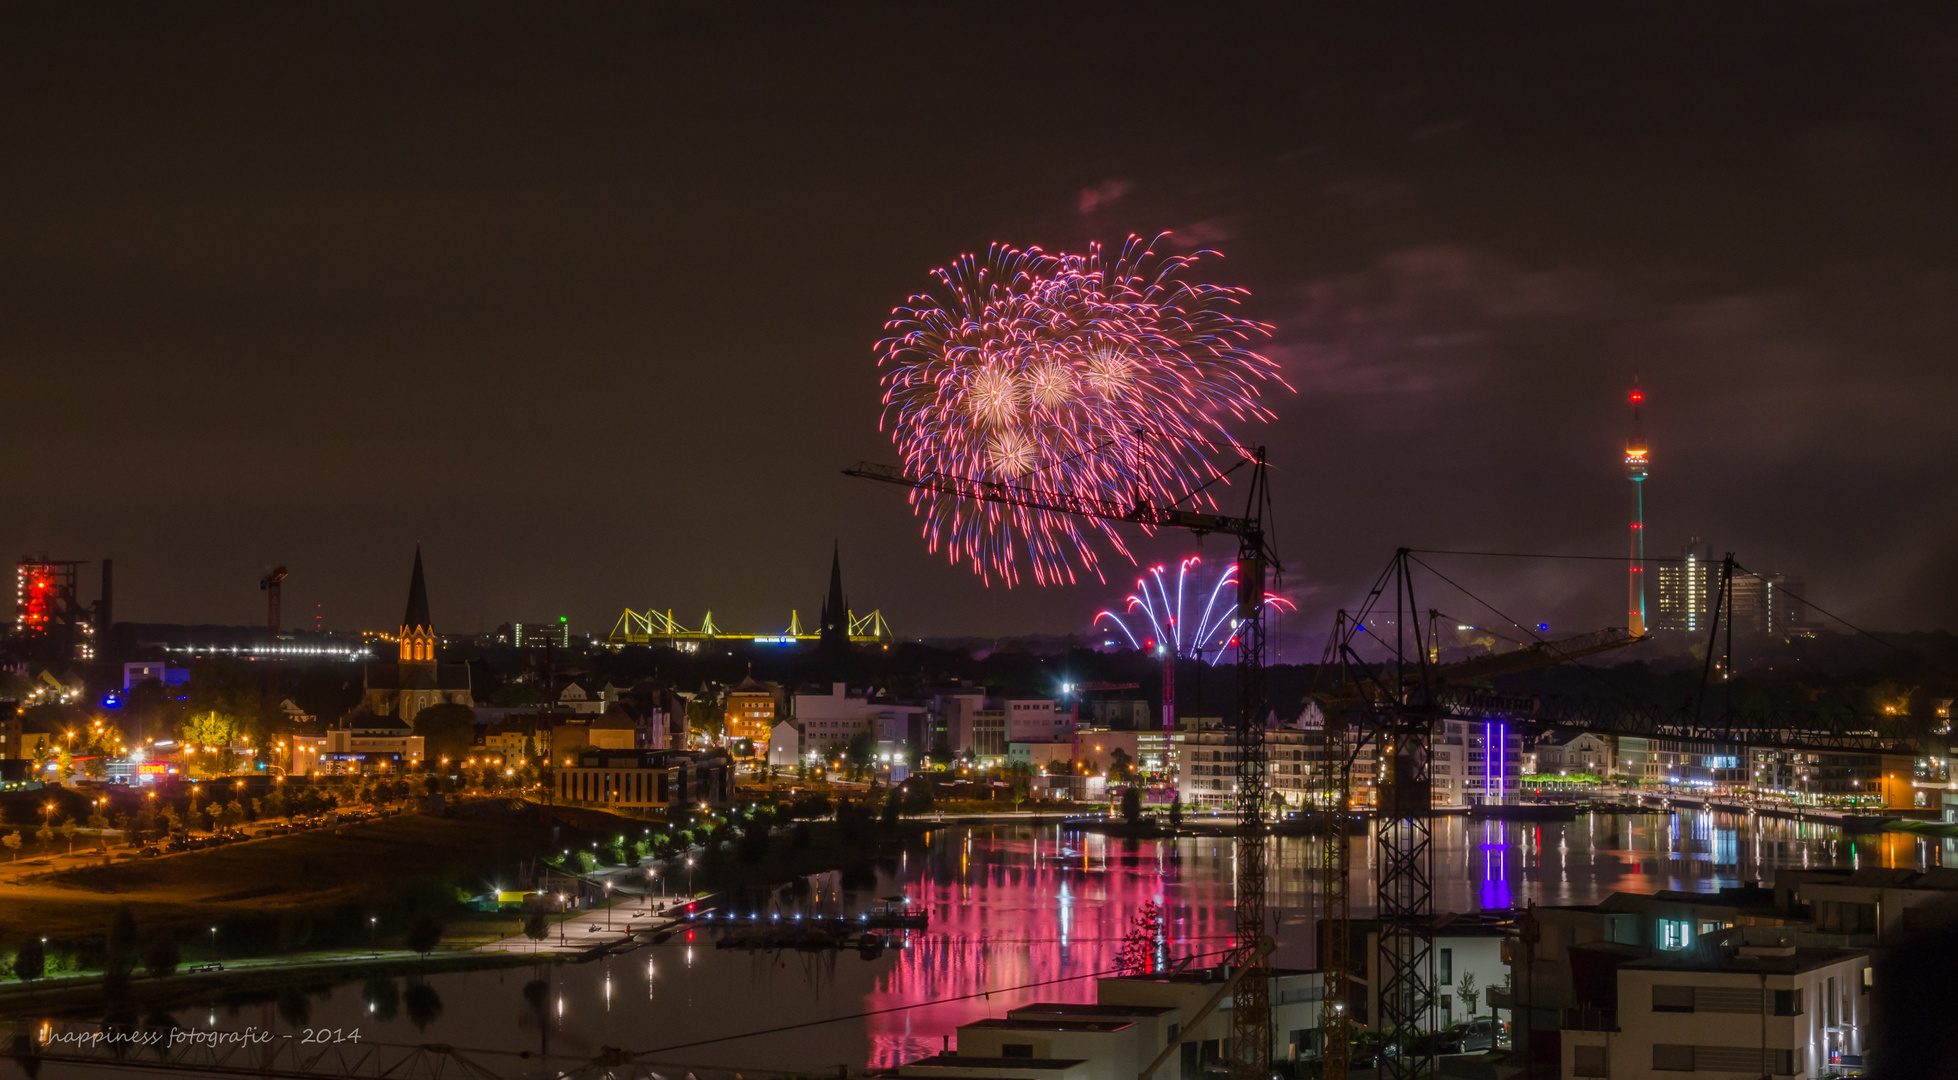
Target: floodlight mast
<point>1251,943</point>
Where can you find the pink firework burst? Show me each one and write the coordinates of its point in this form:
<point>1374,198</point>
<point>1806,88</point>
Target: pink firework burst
<point>1113,378</point>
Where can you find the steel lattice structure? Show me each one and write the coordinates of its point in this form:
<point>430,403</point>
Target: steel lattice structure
<point>1251,944</point>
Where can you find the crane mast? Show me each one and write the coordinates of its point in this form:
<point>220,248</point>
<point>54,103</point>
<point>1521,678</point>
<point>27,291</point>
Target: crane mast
<point>1251,943</point>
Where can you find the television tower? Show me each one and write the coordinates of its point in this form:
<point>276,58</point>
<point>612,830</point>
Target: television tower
<point>1636,461</point>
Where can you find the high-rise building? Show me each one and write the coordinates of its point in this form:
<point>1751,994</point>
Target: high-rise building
<point>1769,604</point>
<point>1637,459</point>
<point>1685,589</point>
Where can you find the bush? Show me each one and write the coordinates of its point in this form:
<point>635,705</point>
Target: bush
<point>31,962</point>
<point>812,806</point>
<point>587,862</point>
<point>1132,805</point>
<point>536,928</point>
<point>424,934</point>
<point>160,956</point>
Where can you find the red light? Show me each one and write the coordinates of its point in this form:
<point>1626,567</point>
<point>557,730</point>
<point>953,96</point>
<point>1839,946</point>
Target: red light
<point>1638,396</point>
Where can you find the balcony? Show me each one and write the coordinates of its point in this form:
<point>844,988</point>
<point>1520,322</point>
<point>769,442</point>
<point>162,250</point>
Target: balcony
<point>1589,1019</point>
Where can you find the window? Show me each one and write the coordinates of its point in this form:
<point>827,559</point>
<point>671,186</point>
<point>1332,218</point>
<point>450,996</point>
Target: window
<point>1788,1003</point>
<point>1447,966</point>
<point>1675,933</point>
<point>1666,1058</point>
<point>1590,1061</point>
<point>1677,999</point>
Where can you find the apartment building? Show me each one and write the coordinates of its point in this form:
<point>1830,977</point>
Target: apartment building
<point>1750,1003</point>
<point>1476,762</point>
<point>1133,1022</point>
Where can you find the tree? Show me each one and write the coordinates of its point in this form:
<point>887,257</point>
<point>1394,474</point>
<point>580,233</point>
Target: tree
<point>160,956</point>
<point>1121,767</point>
<point>1019,783</point>
<point>1132,805</point>
<point>514,695</point>
<point>31,962</point>
<point>1176,810</point>
<point>447,731</point>
<point>536,928</point>
<point>212,729</point>
<point>68,831</point>
<point>424,934</point>
<point>12,840</point>
<point>1139,944</point>
<point>1466,990</point>
<point>121,959</point>
<point>861,754</point>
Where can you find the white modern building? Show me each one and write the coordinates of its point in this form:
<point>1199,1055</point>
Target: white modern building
<point>1133,1021</point>
<point>1477,762</point>
<point>828,721</point>
<point>1752,1004</point>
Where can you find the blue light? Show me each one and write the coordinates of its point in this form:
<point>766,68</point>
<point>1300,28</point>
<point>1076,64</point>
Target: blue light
<point>1543,627</point>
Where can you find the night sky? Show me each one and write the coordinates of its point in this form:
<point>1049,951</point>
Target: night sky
<point>582,297</point>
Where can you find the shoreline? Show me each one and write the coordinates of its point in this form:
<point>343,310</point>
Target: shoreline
<point>248,981</point>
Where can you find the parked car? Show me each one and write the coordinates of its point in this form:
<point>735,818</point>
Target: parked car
<point>149,852</point>
<point>1473,1036</point>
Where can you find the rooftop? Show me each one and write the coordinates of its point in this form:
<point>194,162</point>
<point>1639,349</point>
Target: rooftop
<point>961,1061</point>
<point>1011,1024</point>
<point>1076,1008</point>
<point>1725,961</point>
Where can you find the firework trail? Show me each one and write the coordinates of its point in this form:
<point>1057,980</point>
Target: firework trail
<point>1086,375</point>
<point>1162,617</point>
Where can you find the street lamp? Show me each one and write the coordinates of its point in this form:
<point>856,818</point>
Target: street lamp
<point>608,907</point>
<point>373,933</point>
<point>214,943</point>
<point>689,877</point>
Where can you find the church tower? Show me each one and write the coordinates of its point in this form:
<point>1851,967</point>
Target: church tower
<point>417,629</point>
<point>413,680</point>
<point>834,636</point>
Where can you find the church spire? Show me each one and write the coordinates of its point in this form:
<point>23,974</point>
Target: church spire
<point>835,631</point>
<point>418,642</point>
<point>417,616</point>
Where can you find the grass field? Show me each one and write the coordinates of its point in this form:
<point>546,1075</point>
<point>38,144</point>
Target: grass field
<point>316,888</point>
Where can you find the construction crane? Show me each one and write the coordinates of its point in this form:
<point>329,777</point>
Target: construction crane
<point>270,585</point>
<point>1396,709</point>
<point>1252,945</point>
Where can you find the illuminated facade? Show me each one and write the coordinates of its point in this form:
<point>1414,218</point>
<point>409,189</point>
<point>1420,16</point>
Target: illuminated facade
<point>1686,589</point>
<point>749,711</point>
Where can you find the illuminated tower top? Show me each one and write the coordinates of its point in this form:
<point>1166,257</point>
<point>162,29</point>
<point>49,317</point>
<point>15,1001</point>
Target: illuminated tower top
<point>1636,455</point>
<point>417,629</point>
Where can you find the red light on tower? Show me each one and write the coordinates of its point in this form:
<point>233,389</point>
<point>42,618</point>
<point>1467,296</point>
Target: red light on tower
<point>1638,396</point>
